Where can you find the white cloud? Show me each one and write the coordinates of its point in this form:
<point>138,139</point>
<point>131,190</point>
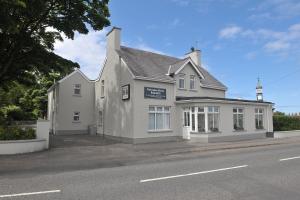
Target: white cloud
<point>250,55</point>
<point>278,45</point>
<point>88,50</point>
<point>230,31</point>
<point>272,41</point>
<point>276,9</point>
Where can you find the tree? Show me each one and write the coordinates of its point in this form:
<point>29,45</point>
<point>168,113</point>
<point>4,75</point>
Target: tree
<point>29,29</point>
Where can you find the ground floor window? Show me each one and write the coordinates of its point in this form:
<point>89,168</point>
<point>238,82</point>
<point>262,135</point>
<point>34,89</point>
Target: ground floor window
<point>259,116</point>
<point>238,118</point>
<point>213,118</point>
<point>159,117</point>
<point>201,119</point>
<point>76,117</point>
<point>186,116</point>
<point>100,118</point>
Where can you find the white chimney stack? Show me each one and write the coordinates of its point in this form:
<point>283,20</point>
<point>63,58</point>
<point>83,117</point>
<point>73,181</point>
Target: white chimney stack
<point>113,38</point>
<point>195,55</point>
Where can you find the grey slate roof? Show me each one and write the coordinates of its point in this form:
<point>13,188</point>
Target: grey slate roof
<point>155,66</point>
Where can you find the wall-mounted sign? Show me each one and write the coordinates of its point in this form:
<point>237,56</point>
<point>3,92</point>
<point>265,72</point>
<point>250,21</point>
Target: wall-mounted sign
<point>155,93</point>
<point>125,92</point>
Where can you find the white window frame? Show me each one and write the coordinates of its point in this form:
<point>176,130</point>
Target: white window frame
<point>259,112</point>
<point>186,117</point>
<point>102,88</point>
<point>77,87</point>
<point>166,111</point>
<point>192,82</point>
<point>181,78</point>
<point>100,118</point>
<point>237,113</point>
<point>215,110</point>
<point>77,115</point>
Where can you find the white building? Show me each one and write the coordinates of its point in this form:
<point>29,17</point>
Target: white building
<point>142,97</point>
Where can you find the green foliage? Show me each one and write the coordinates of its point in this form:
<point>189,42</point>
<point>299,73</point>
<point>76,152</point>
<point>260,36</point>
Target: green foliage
<point>16,133</point>
<point>29,29</point>
<point>286,123</point>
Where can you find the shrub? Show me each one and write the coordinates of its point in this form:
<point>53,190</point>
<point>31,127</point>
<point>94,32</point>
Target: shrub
<point>16,133</point>
<point>286,123</point>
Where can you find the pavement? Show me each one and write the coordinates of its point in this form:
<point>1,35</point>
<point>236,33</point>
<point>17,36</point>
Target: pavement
<point>266,169</point>
<point>71,153</point>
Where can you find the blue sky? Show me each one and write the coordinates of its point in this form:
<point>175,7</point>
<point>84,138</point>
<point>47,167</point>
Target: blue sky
<point>239,39</point>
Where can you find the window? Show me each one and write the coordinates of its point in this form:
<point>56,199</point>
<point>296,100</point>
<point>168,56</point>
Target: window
<point>76,116</point>
<point>159,118</point>
<point>186,117</point>
<point>192,82</point>
<point>77,88</point>
<point>238,118</point>
<point>181,81</point>
<point>100,118</point>
<point>125,92</point>
<point>102,88</point>
<point>201,119</point>
<point>213,118</point>
<point>259,116</point>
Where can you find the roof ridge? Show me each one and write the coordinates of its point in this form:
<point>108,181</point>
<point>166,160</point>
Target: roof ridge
<point>150,52</point>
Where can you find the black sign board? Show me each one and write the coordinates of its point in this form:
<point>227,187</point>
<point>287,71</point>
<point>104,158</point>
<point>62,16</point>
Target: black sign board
<point>155,93</point>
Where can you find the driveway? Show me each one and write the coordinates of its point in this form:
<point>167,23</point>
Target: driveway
<point>65,141</point>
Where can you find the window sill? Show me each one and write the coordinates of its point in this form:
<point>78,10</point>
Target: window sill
<point>240,130</point>
<point>160,131</point>
<point>193,90</point>
<point>76,122</point>
<point>182,89</point>
<point>76,95</point>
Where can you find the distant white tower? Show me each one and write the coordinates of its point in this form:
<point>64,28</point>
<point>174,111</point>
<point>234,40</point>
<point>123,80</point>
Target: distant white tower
<point>259,91</point>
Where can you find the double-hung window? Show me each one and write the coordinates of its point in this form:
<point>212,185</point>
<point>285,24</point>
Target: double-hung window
<point>192,82</point>
<point>259,118</point>
<point>159,118</point>
<point>213,118</point>
<point>77,89</point>
<point>76,116</point>
<point>186,117</point>
<point>181,81</point>
<point>238,118</point>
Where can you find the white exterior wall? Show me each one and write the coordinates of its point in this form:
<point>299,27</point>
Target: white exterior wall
<point>198,91</point>
<point>117,113</point>
<point>141,112</point>
<point>226,116</point>
<point>67,103</point>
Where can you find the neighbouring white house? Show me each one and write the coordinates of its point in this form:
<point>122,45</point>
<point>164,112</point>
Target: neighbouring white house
<point>142,96</point>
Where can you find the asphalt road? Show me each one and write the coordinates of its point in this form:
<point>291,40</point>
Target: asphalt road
<point>270,173</point>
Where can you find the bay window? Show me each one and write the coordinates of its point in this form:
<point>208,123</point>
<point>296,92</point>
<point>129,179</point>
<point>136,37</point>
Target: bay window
<point>159,118</point>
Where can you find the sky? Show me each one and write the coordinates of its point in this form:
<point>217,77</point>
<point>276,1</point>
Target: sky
<point>240,40</point>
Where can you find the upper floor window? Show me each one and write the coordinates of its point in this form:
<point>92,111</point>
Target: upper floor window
<point>259,118</point>
<point>181,81</point>
<point>77,89</point>
<point>102,88</point>
<point>192,82</point>
<point>76,116</point>
<point>238,118</point>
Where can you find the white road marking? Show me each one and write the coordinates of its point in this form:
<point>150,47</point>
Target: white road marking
<point>29,193</point>
<point>192,174</point>
<point>292,158</point>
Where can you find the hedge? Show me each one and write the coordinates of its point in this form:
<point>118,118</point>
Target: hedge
<point>17,133</point>
<point>286,123</point>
